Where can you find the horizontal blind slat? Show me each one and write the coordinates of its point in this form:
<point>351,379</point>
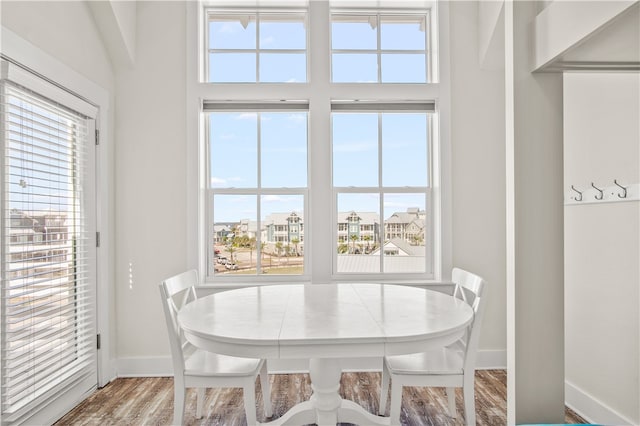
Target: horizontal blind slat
<point>48,346</point>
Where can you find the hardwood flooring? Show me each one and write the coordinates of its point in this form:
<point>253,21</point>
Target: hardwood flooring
<point>149,401</point>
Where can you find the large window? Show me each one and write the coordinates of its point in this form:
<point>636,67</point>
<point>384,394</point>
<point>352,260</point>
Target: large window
<point>321,180</point>
<point>381,183</point>
<point>258,184</point>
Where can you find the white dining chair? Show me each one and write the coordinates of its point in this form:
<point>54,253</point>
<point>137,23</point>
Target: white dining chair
<point>451,366</point>
<point>196,368</point>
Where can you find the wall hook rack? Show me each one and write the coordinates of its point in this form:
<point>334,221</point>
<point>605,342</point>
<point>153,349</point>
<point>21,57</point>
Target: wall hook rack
<point>624,189</point>
<point>599,190</point>
<point>613,193</point>
<point>579,194</point>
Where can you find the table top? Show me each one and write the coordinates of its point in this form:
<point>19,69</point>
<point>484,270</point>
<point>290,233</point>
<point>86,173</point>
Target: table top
<point>324,320</point>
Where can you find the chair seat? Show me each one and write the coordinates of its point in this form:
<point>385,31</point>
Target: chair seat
<point>203,363</point>
<point>440,361</point>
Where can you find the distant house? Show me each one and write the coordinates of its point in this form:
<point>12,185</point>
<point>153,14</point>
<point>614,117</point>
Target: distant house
<point>221,231</point>
<point>353,227</point>
<point>400,247</point>
<point>409,226</point>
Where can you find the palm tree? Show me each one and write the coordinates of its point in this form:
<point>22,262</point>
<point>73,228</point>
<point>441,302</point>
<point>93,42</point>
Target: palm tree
<point>353,238</point>
<point>295,241</point>
<point>232,242</point>
<point>231,247</point>
<point>279,248</point>
<point>287,251</point>
<point>367,238</point>
<point>252,245</point>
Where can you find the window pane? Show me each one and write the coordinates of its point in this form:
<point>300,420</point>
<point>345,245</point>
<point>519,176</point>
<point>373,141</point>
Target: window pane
<point>234,234</point>
<point>403,68</point>
<point>283,68</point>
<point>355,149</point>
<point>354,68</point>
<point>232,67</point>
<point>233,32</point>
<point>282,33</point>
<point>233,145</point>
<point>404,233</point>
<point>358,233</point>
<point>284,150</point>
<point>353,33</point>
<point>404,149</point>
<point>396,35</point>
<point>282,235</point>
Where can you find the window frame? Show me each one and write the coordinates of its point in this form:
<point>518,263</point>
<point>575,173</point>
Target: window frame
<point>381,14</point>
<point>257,11</point>
<point>320,93</point>
<point>258,191</point>
<point>85,375</point>
<point>381,190</point>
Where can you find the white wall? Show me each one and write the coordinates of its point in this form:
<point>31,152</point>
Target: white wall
<point>602,248</point>
<point>477,134</point>
<point>66,31</point>
<point>150,177</point>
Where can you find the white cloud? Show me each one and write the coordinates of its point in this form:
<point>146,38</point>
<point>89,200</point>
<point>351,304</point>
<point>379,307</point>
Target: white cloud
<point>355,147</point>
<point>228,28</point>
<point>297,118</point>
<point>216,181</point>
<point>247,116</point>
<point>219,182</point>
<point>394,204</point>
<point>266,41</point>
<point>271,198</point>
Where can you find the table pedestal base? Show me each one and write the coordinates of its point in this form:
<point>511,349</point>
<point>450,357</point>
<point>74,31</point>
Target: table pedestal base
<point>326,406</point>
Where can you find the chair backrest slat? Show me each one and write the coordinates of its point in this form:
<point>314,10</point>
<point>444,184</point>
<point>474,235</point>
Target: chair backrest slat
<point>471,288</point>
<point>176,292</point>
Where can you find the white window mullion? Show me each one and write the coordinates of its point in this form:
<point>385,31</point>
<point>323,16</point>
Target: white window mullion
<point>380,190</point>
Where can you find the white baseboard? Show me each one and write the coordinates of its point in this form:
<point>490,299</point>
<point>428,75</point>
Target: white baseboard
<point>491,360</point>
<point>590,408</point>
<point>162,366</point>
<point>145,367</point>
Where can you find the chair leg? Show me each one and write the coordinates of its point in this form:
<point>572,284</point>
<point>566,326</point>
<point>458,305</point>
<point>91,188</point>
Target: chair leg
<point>249,391</point>
<point>451,396</point>
<point>199,402</point>
<point>469,399</point>
<point>178,401</point>
<point>266,389</point>
<point>384,389</point>
<point>396,401</point>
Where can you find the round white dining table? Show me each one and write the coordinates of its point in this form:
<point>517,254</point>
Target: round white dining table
<point>324,323</point>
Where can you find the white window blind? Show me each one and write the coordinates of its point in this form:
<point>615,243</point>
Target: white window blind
<point>48,252</point>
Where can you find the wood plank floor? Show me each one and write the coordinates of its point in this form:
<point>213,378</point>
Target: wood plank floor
<point>149,401</point>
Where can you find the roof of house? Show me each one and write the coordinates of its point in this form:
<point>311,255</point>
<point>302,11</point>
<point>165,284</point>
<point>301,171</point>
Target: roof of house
<point>404,246</point>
